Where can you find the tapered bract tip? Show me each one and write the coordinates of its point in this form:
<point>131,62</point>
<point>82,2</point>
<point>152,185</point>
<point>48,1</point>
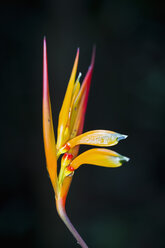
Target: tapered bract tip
<point>93,55</point>
<point>78,52</point>
<point>44,40</point>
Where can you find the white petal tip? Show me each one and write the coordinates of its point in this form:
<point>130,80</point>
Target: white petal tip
<point>121,137</point>
<point>79,76</point>
<point>124,159</point>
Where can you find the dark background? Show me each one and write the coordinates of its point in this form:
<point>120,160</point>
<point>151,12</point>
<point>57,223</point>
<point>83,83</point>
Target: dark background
<point>117,208</point>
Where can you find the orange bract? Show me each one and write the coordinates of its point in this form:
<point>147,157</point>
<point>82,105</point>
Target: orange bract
<point>48,131</point>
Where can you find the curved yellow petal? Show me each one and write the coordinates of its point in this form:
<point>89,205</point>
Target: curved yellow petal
<point>48,132</point>
<point>64,113</point>
<point>95,138</point>
<point>100,157</point>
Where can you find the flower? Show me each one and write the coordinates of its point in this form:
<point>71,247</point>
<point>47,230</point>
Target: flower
<point>70,137</point>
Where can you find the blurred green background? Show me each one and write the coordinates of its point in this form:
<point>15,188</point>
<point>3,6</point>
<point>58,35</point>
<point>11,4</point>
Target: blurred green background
<point>116,208</point>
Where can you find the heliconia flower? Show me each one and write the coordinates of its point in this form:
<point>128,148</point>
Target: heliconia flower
<point>70,137</point>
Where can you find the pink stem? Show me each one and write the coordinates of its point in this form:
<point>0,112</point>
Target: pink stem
<point>62,213</point>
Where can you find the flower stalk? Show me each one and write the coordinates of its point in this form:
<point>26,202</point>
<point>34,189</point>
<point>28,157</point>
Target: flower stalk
<point>62,213</point>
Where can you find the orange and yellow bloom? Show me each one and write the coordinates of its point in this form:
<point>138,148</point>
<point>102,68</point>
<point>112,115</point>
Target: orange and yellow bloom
<point>70,137</point>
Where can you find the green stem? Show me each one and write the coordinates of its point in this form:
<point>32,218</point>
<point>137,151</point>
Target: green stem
<point>62,213</point>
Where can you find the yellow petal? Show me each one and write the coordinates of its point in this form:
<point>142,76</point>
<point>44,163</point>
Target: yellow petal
<point>76,87</point>
<point>95,138</point>
<point>77,117</point>
<point>100,157</point>
<point>48,132</point>
<point>75,93</point>
<point>64,113</point>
